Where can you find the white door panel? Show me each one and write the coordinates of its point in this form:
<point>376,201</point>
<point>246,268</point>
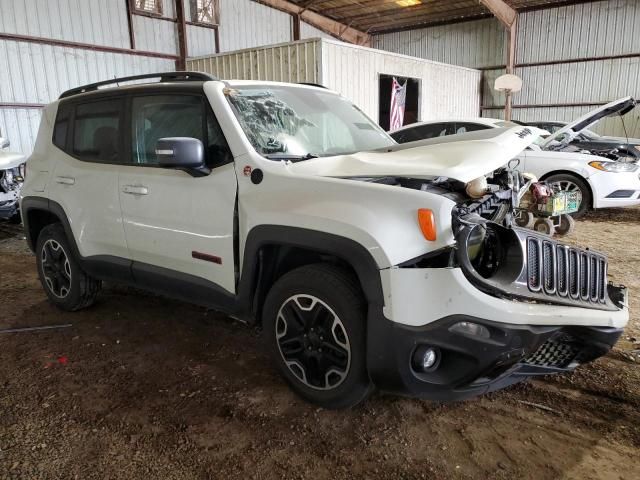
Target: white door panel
<point>171,217</point>
<point>88,193</point>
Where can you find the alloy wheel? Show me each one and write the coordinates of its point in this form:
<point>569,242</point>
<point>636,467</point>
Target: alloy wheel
<point>567,186</point>
<point>313,342</point>
<point>56,268</point>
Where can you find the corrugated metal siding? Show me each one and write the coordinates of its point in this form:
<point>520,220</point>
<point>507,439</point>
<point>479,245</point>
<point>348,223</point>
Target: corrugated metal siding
<point>476,44</point>
<point>309,31</point>
<point>291,62</point>
<point>155,35</point>
<point>354,72</point>
<point>595,82</point>
<point>97,22</point>
<point>584,30</point>
<point>200,41</point>
<point>246,24</point>
<point>34,73</point>
<point>20,126</point>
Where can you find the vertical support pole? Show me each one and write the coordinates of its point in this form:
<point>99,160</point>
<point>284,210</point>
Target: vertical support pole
<point>181,63</point>
<point>132,34</point>
<point>512,31</point>
<point>217,35</point>
<point>296,26</point>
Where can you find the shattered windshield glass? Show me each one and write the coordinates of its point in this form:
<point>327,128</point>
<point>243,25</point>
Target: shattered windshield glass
<point>282,122</point>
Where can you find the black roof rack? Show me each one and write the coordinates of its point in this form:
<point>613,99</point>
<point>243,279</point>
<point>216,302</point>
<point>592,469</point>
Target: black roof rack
<point>164,77</point>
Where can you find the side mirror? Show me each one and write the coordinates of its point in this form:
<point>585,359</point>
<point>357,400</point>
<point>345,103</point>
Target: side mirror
<point>182,153</point>
<point>4,142</point>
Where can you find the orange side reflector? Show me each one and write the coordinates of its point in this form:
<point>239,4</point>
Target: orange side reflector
<point>427,224</point>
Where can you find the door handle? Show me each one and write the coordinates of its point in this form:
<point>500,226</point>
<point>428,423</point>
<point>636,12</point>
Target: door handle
<point>66,180</point>
<point>135,189</point>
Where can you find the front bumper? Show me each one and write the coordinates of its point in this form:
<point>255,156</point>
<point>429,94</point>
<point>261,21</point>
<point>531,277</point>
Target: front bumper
<point>615,189</point>
<point>472,365</point>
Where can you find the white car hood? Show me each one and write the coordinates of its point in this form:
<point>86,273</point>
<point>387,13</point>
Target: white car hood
<point>617,107</point>
<point>10,160</point>
<point>462,157</point>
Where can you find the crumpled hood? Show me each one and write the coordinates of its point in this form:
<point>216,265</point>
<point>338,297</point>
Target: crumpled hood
<point>621,107</point>
<point>10,160</point>
<point>462,157</point>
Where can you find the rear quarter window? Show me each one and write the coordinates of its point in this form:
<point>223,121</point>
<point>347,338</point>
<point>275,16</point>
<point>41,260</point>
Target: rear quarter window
<point>61,127</point>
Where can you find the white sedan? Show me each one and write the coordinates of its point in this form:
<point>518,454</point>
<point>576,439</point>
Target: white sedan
<point>604,182</point>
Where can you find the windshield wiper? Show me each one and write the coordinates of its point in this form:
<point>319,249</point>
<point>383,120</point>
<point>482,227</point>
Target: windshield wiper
<point>289,156</point>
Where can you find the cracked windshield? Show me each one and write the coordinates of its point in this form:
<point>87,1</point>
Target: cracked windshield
<point>301,123</point>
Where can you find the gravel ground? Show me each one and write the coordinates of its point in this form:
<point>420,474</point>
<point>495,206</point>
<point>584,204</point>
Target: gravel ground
<point>145,387</point>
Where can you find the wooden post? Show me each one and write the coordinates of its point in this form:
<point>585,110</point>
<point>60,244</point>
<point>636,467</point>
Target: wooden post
<point>132,34</point>
<point>181,63</point>
<point>296,26</point>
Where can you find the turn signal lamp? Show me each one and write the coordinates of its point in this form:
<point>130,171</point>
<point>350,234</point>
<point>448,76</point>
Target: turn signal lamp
<point>427,223</point>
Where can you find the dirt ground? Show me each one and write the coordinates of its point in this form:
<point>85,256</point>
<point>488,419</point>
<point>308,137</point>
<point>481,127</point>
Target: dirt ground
<point>144,387</point>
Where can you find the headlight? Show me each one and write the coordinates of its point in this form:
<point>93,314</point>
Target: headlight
<point>616,167</point>
<point>475,244</point>
<point>490,251</point>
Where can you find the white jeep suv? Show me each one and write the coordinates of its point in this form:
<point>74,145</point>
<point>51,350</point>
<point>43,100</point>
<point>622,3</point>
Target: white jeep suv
<point>368,264</point>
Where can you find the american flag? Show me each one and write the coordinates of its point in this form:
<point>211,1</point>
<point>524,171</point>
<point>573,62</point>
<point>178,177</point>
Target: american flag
<point>398,101</point>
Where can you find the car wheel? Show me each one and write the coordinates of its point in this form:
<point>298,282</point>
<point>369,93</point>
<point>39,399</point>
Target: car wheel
<point>65,283</point>
<point>544,225</point>
<point>564,225</point>
<point>314,323</point>
<point>571,183</point>
<point>524,219</point>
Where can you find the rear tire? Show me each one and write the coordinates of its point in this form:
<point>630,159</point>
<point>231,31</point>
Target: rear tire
<point>65,283</point>
<point>570,182</point>
<point>314,324</point>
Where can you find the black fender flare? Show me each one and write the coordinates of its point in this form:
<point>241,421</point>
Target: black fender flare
<point>348,250</point>
<point>45,205</point>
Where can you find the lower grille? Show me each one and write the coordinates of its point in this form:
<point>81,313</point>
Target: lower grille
<point>556,352</point>
<point>560,270</point>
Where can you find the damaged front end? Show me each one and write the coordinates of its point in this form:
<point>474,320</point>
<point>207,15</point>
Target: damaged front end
<point>521,264</point>
<point>12,171</point>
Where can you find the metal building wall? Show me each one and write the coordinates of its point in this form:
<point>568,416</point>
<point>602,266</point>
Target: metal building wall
<point>309,31</point>
<point>571,59</point>
<point>49,46</point>
<point>201,40</point>
<point>97,22</point>
<point>353,71</point>
<point>477,44</point>
<point>246,24</point>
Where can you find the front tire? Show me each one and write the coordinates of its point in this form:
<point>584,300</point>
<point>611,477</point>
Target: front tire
<point>568,182</point>
<point>314,323</point>
<point>65,283</point>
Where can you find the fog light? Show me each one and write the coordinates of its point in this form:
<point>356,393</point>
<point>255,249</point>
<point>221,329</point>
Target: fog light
<point>426,358</point>
<point>471,329</point>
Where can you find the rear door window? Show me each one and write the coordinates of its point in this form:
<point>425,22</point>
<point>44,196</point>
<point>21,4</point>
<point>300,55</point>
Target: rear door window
<point>97,135</point>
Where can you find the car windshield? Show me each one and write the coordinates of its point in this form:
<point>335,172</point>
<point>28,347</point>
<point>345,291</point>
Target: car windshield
<point>287,122</point>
